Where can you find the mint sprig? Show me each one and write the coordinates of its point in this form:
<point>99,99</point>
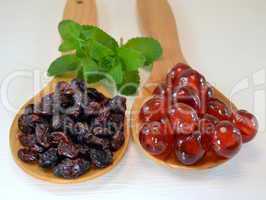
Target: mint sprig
<point>95,55</point>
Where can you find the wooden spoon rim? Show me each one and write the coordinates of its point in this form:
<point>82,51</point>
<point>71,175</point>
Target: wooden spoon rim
<point>46,175</point>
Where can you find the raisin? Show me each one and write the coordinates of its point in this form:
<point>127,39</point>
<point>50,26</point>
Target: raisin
<point>92,109</point>
<point>81,132</point>
<point>41,133</point>
<point>94,95</point>
<point>117,104</point>
<point>117,140</point>
<point>71,168</point>
<point>29,109</point>
<point>67,149</point>
<point>49,158</point>
<point>101,158</point>
<point>27,155</point>
<point>30,141</point>
<point>27,123</point>
<point>57,137</point>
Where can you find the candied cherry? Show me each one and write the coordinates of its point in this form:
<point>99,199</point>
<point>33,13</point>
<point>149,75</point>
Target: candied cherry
<point>176,71</point>
<point>247,124</point>
<point>156,138</point>
<point>207,127</point>
<point>226,140</point>
<point>189,149</point>
<point>162,90</point>
<point>183,117</point>
<point>192,78</point>
<point>218,109</point>
<point>153,110</point>
<point>186,95</point>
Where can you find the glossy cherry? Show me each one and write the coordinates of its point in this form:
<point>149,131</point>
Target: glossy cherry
<point>192,78</point>
<point>189,149</point>
<point>156,138</point>
<point>247,124</point>
<point>153,110</point>
<point>186,95</point>
<point>183,117</point>
<point>219,110</point>
<point>207,127</point>
<point>176,71</point>
<point>227,139</point>
<point>162,90</point>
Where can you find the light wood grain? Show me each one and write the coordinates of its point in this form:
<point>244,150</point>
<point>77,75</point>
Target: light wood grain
<point>84,13</point>
<point>157,20</point>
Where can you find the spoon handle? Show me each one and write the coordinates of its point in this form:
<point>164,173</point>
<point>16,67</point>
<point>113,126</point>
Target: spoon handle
<point>81,11</point>
<point>157,20</point>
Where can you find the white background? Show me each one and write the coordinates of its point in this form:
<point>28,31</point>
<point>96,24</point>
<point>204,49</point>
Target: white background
<point>224,39</point>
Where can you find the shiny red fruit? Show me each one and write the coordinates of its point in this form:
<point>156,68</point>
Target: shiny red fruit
<point>184,118</point>
<point>207,127</point>
<point>189,149</point>
<point>153,110</point>
<point>186,95</point>
<point>162,90</point>
<point>227,139</point>
<point>176,71</point>
<point>247,124</point>
<point>192,78</point>
<point>219,110</point>
<point>156,138</point>
<point>205,94</point>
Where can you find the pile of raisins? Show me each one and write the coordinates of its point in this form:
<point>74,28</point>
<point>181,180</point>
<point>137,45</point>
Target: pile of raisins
<point>72,130</point>
<point>185,118</point>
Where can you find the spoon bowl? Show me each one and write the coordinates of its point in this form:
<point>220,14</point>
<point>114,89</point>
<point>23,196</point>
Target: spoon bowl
<point>83,12</point>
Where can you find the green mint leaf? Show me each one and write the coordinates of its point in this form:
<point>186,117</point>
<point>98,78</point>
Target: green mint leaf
<point>94,33</point>
<point>149,47</point>
<point>116,72</point>
<point>63,64</point>
<point>99,51</point>
<point>130,83</point>
<point>131,58</point>
<point>68,45</point>
<point>69,30</point>
<point>91,71</point>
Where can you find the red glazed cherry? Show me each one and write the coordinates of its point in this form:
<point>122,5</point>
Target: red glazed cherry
<point>247,124</point>
<point>189,150</point>
<point>156,138</point>
<point>207,127</point>
<point>175,72</point>
<point>153,110</point>
<point>162,90</point>
<point>190,78</point>
<point>227,139</point>
<point>184,118</point>
<point>186,95</point>
<point>219,110</point>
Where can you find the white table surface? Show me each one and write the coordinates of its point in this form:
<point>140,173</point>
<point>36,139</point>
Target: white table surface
<point>224,39</point>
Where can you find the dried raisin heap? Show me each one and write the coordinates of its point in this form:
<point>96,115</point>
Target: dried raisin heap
<point>72,130</point>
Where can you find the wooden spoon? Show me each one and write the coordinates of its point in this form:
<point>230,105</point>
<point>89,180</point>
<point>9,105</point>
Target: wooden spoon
<point>83,12</point>
<point>157,20</point>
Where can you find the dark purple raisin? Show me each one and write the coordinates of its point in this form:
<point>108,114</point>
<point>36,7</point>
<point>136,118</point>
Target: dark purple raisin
<point>45,108</point>
<point>67,149</point>
<point>63,87</point>
<point>117,140</point>
<point>99,143</point>
<point>81,132</point>
<point>49,158</point>
<point>27,155</point>
<point>84,151</point>
<point>69,124</point>
<point>101,158</point>
<point>70,169</point>
<point>92,109</point>
<point>57,121</point>
<point>57,137</point>
<point>77,84</point>
<point>27,123</point>
<point>101,132</point>
<point>41,133</point>
<point>73,111</point>
<point>95,95</point>
<point>117,104</point>
<point>30,141</point>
